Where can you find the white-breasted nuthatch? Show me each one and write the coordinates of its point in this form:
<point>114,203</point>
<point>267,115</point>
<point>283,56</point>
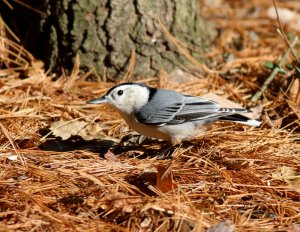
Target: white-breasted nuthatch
<point>166,114</point>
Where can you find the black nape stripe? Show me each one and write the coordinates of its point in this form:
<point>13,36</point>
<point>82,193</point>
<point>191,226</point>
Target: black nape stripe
<point>152,92</point>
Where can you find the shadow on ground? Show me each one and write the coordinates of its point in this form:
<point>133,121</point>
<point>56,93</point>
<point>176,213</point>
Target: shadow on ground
<point>129,144</point>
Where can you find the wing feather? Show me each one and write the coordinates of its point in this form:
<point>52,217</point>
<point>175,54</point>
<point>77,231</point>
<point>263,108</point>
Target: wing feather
<point>168,108</point>
<point>180,108</point>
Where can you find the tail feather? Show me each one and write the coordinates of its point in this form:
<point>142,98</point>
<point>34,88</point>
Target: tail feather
<point>240,119</point>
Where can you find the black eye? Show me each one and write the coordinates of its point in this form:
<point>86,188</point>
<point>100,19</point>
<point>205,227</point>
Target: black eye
<point>120,92</point>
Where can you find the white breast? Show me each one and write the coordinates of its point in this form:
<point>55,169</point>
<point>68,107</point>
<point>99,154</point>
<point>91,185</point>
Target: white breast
<point>147,130</point>
<point>172,133</point>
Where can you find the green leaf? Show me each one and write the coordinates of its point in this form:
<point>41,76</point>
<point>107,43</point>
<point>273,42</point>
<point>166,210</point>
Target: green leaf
<point>269,64</point>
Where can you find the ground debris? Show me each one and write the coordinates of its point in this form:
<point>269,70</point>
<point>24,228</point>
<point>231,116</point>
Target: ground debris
<point>63,168</point>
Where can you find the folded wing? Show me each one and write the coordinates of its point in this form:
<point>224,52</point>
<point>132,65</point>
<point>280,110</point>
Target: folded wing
<point>168,107</point>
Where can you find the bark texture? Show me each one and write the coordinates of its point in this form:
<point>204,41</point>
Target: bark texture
<point>104,32</point>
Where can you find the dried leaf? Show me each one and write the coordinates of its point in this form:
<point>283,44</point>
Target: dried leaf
<point>276,123</point>
<point>111,156</point>
<point>94,131</point>
<point>295,90</point>
<point>179,76</point>
<point>294,228</point>
<point>120,202</point>
<point>295,108</point>
<point>236,164</point>
<point>65,129</point>
<point>164,180</point>
<point>286,16</point>
<point>13,157</point>
<point>284,173</point>
<point>287,174</point>
<point>36,69</point>
<point>214,3</point>
<point>145,224</point>
<point>225,226</point>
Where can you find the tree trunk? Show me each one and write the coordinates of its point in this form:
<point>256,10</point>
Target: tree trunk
<point>104,32</point>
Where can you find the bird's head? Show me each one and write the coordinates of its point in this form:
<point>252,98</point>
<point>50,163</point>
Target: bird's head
<point>125,97</point>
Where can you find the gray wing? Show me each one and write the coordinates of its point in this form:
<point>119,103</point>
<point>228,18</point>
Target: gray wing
<point>168,107</point>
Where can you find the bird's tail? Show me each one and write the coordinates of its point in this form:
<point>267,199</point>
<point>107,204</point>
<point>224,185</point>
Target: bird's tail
<point>240,119</point>
<point>234,115</point>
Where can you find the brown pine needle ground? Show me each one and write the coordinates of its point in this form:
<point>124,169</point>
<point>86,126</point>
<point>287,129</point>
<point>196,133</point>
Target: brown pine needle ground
<point>234,177</point>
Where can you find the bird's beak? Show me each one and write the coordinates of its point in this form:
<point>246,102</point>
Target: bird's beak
<point>99,100</point>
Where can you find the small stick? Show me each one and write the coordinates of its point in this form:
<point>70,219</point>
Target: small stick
<point>281,32</point>
<point>257,95</point>
<point>13,144</point>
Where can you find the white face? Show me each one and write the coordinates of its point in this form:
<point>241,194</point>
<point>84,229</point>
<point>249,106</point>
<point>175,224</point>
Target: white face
<point>128,98</point>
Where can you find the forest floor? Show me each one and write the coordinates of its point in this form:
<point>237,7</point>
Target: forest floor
<point>66,165</point>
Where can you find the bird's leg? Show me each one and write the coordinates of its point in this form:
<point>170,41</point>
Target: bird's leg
<point>167,151</point>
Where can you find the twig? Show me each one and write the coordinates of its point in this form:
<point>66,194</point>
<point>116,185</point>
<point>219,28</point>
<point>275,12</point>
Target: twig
<point>257,95</point>
<point>282,34</point>
<point>13,144</point>
<point>131,67</point>
<point>185,52</point>
<point>22,3</point>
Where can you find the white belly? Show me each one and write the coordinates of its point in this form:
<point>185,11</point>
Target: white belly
<point>173,133</point>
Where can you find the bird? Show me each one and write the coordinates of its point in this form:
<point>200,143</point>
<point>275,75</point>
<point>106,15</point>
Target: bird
<point>166,114</point>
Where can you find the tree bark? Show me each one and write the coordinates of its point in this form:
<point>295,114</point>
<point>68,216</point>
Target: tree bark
<point>103,33</point>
